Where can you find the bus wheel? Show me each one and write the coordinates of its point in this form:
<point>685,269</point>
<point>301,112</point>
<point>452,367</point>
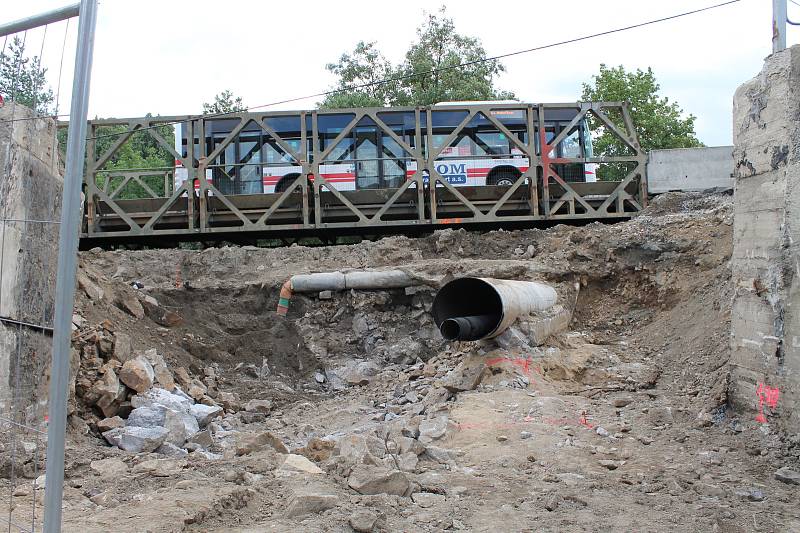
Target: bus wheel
<point>504,177</point>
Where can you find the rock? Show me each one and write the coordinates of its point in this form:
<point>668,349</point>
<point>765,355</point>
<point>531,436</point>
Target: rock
<point>704,419</point>
<point>197,390</point>
<point>259,442</point>
<point>137,374</point>
<point>111,467</point>
<point>407,462</point>
<point>205,413</point>
<point>366,479</point>
<point>601,431</point>
<point>552,502</point>
<point>127,301</point>
<point>109,391</point>
<point>432,429</point>
<point>207,455</point>
<point>162,374</point>
<point>525,435</point>
<point>407,444</point>
<point>252,418</point>
<point>160,467</point>
<point>298,463</point>
<point>310,501</point>
<point>363,520</point>
<point>89,288</point>
<point>161,397</point>
<point>752,495</point>
<point>183,378</point>
<point>170,450</point>
<point>228,401</point>
<point>660,416</point>
<point>137,439</point>
<point>502,438</point>
<point>202,438</point>
<point>104,499</point>
<point>325,295</point>
<point>147,417</point>
<point>181,426</point>
<point>317,449</point>
<point>319,377</point>
<point>787,475</point>
<point>466,376</point>
<point>110,423</point>
<point>610,464</point>
<point>427,499</point>
<point>622,401</point>
<point>354,449</point>
<point>258,406</point>
<point>123,347</point>
<point>438,455</point>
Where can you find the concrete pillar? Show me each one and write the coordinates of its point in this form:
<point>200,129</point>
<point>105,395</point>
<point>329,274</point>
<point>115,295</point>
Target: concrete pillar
<point>765,316</point>
<point>30,198</point>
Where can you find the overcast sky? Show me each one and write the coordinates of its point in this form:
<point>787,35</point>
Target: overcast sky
<point>167,57</point>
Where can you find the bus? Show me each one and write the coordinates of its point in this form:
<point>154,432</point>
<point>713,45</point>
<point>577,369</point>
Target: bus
<point>480,155</point>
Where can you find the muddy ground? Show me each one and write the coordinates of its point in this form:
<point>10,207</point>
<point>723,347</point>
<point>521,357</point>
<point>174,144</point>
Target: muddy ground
<point>619,423</point>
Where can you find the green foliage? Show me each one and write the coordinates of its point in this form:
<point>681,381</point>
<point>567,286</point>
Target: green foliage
<point>23,78</point>
<point>140,151</point>
<point>438,48</point>
<point>659,122</point>
<point>224,102</point>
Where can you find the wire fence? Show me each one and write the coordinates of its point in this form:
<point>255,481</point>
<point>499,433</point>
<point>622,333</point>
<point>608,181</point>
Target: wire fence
<point>31,195</point>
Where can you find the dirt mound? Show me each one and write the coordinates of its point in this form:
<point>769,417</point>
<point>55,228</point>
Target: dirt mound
<point>352,413</point>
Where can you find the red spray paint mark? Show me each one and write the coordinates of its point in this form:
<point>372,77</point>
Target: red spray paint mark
<point>768,395</point>
<point>524,364</point>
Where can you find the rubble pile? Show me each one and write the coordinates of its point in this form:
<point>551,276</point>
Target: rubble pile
<point>196,407</point>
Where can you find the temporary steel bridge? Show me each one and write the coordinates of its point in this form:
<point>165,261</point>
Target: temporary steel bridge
<point>401,180</point>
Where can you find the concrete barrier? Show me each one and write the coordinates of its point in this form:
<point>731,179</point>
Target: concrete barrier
<point>690,169</point>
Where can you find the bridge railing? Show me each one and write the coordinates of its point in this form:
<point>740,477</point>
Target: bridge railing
<point>361,169</point>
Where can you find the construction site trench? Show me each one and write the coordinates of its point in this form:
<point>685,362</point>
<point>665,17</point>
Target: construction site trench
<point>353,413</point>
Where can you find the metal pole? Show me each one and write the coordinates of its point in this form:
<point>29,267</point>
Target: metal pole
<point>67,265</point>
<point>39,20</point>
<point>778,25</point>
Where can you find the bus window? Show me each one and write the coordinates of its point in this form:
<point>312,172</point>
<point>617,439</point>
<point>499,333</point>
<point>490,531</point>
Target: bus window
<point>571,145</point>
<point>492,142</point>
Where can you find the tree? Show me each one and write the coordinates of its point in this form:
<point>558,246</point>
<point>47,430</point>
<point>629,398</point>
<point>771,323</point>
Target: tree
<point>659,122</point>
<point>224,102</point>
<point>24,79</point>
<point>428,74</point>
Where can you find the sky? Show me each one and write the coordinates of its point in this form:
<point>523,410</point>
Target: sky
<point>167,57</point>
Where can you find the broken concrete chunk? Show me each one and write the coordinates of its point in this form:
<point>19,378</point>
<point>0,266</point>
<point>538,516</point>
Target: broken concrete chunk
<point>161,397</point>
<point>170,450</point>
<point>137,439</point>
<point>261,441</point>
<point>298,463</point>
<point>788,476</point>
<point>309,501</point>
<point>123,347</point>
<point>427,499</point>
<point>181,426</point>
<point>432,429</point>
<point>110,423</point>
<point>258,406</point>
<point>363,521</point>
<point>366,479</point>
<point>466,376</point>
<point>137,373</point>
<point>127,301</point>
<point>147,417</point>
<point>205,413</point>
<point>111,467</point>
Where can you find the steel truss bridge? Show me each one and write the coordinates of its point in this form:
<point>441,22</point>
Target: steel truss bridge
<point>311,205</point>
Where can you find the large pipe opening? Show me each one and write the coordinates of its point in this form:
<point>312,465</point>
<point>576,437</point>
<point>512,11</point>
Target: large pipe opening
<point>467,309</point>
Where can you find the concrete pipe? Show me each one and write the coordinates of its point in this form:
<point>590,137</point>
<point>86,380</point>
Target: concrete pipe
<point>469,309</point>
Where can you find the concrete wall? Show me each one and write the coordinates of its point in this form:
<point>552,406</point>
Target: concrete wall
<point>690,169</point>
<point>765,316</point>
<point>30,197</point>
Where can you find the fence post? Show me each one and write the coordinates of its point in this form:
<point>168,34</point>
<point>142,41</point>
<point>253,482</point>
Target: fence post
<point>67,265</point>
